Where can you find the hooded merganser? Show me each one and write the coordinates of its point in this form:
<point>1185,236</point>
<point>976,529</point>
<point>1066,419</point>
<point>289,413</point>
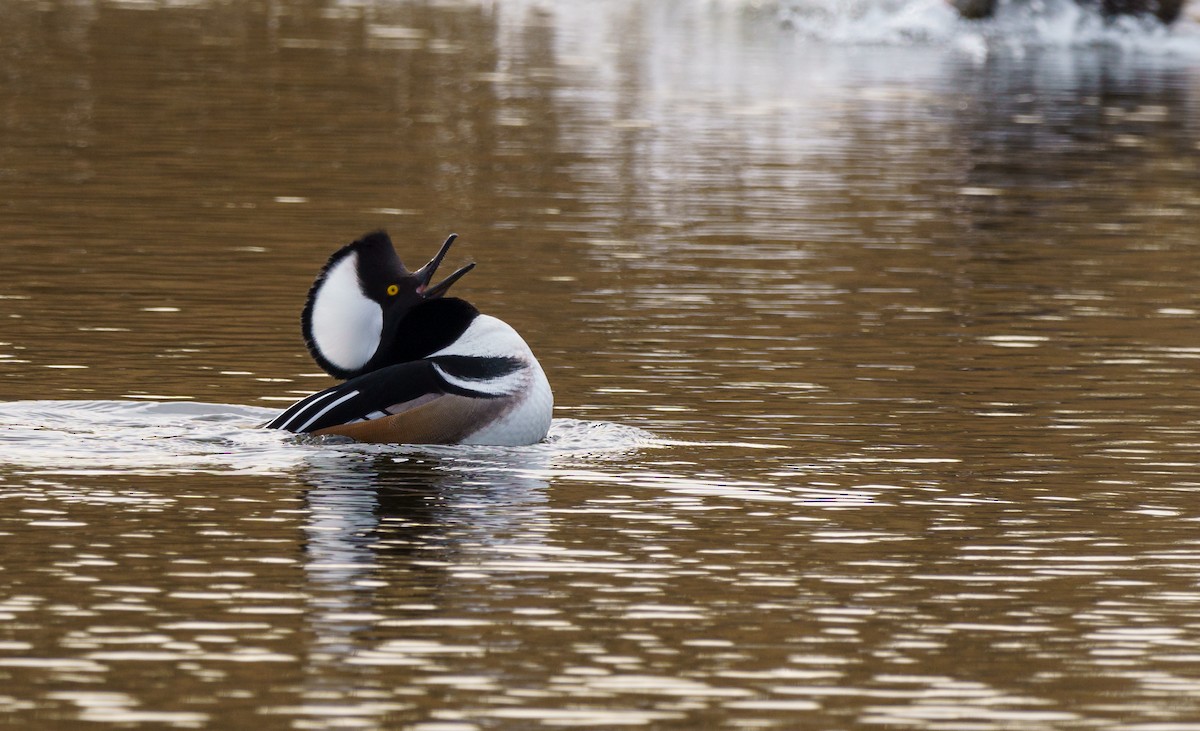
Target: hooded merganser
<point>420,368</point>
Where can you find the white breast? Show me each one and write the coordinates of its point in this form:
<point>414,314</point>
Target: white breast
<point>527,419</point>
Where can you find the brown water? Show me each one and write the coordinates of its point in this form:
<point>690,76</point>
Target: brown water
<point>875,366</point>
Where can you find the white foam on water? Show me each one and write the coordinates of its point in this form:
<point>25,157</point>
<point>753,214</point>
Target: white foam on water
<point>113,437</point>
<point>1016,27</point>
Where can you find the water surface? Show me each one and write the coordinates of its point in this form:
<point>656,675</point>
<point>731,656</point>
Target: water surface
<point>872,334</point>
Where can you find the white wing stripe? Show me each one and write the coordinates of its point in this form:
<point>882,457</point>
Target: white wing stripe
<point>325,410</point>
<point>300,412</point>
<point>492,386</point>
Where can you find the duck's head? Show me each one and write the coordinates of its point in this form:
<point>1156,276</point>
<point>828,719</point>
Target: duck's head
<point>360,298</point>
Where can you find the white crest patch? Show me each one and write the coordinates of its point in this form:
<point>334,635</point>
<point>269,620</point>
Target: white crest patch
<point>346,325</point>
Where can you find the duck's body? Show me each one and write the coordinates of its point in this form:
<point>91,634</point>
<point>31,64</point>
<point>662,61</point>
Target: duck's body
<point>420,368</point>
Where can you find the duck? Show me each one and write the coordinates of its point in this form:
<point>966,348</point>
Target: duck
<point>416,366</point>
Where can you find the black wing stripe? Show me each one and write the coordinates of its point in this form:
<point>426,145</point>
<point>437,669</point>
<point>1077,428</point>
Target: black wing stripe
<point>470,375</point>
<point>478,368</point>
<point>374,391</point>
<point>304,427</point>
<point>368,394</point>
<point>284,420</point>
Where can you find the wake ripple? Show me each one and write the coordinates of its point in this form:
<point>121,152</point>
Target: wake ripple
<point>111,437</point>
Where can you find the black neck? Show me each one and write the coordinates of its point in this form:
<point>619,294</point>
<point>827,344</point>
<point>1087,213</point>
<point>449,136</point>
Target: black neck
<point>425,329</point>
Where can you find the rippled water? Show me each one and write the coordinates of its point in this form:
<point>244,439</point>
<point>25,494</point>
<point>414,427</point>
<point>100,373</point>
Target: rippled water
<point>872,333</point>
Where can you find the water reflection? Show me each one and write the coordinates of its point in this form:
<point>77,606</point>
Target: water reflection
<point>370,516</point>
<point>382,536</point>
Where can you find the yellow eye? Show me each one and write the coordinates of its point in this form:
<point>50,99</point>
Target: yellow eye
<point>392,290</point>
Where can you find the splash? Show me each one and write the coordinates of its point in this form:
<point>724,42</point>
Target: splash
<point>134,437</point>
